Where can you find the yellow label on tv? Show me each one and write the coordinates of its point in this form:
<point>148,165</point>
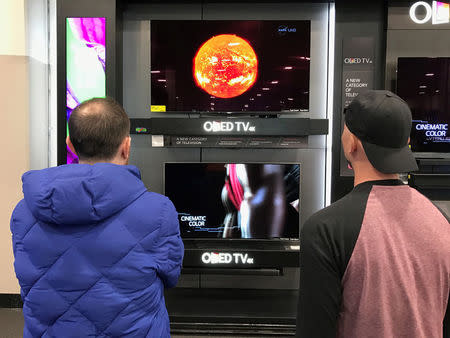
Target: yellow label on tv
<point>157,108</point>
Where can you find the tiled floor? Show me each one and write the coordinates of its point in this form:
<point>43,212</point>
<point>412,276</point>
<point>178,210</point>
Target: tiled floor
<point>11,325</point>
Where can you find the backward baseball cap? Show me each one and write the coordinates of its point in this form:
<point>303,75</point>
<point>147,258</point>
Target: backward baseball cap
<point>382,121</point>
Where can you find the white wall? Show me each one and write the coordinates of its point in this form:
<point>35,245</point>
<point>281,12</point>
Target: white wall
<point>14,127</point>
<point>24,110</point>
<point>12,26</point>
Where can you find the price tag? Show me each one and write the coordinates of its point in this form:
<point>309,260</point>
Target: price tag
<point>157,109</point>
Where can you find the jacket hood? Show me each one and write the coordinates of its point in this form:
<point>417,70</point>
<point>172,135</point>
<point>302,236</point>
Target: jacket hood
<point>81,193</point>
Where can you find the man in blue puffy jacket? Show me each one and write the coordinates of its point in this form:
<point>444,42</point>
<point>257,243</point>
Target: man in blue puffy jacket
<point>93,248</point>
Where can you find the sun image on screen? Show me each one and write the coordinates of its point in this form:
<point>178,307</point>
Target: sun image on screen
<point>85,65</point>
<point>225,66</point>
<point>235,200</point>
<point>230,66</point>
<point>424,83</point>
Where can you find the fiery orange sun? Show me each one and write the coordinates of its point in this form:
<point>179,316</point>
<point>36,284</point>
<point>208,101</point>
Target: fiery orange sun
<point>225,66</point>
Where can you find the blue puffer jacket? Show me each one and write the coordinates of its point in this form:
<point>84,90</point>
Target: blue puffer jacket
<point>93,252</point>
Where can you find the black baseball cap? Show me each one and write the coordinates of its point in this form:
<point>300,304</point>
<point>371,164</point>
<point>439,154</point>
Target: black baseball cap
<point>382,121</point>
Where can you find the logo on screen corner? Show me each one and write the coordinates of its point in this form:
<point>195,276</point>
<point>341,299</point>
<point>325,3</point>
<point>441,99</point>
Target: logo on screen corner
<point>283,30</point>
<point>226,258</point>
<point>438,12</point>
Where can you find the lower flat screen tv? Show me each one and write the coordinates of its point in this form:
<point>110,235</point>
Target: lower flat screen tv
<point>235,200</point>
<point>424,83</point>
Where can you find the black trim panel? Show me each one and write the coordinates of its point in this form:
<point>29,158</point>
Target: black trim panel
<point>263,127</point>
<point>10,300</point>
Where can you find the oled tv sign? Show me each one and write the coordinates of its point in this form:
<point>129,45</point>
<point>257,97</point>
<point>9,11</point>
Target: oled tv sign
<point>438,12</point>
<point>226,258</point>
<point>227,126</point>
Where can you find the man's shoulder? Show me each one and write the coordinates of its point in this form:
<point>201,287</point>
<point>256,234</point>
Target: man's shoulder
<point>335,212</point>
<point>21,218</point>
<point>152,210</point>
<point>443,207</point>
<point>425,204</point>
<point>150,197</point>
<point>20,208</point>
<point>150,205</point>
<point>341,218</point>
<point>22,211</point>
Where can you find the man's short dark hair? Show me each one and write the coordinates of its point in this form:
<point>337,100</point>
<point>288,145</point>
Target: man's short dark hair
<point>97,127</point>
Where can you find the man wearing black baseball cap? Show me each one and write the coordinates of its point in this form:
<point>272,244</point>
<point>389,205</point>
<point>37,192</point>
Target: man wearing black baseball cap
<point>381,121</point>
<point>377,262</point>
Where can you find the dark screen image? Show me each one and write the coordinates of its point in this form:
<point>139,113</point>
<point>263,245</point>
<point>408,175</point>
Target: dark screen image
<point>424,84</point>
<point>219,200</point>
<point>230,66</point>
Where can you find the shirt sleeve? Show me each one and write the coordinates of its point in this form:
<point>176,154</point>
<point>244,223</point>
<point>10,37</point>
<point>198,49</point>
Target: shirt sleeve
<point>446,321</point>
<point>320,291</point>
<point>171,248</point>
<point>446,215</point>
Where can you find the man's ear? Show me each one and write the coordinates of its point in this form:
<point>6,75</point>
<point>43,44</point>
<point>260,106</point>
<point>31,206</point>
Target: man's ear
<point>125,148</point>
<point>354,143</point>
<point>70,145</point>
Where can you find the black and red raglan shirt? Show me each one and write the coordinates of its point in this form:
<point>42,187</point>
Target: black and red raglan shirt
<point>375,264</point>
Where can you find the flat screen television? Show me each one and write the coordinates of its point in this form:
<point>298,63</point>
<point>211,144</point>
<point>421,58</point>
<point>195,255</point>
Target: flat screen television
<point>230,66</point>
<point>235,200</point>
<point>424,84</point>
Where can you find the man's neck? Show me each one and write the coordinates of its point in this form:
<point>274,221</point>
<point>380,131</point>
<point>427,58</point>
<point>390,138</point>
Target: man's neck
<point>92,162</point>
<point>371,174</point>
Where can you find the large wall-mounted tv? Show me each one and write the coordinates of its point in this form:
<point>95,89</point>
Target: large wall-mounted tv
<point>424,84</point>
<point>230,66</point>
<point>235,200</point>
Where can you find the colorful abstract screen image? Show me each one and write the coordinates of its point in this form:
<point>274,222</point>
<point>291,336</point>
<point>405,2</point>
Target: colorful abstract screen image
<point>424,83</point>
<point>235,200</point>
<point>85,64</point>
<point>230,66</point>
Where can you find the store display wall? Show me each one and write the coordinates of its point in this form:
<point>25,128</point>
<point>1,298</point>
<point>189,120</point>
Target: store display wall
<point>137,91</point>
<point>137,100</point>
<point>407,39</point>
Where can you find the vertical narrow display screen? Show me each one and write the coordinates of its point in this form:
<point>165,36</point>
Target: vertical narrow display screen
<point>85,64</point>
